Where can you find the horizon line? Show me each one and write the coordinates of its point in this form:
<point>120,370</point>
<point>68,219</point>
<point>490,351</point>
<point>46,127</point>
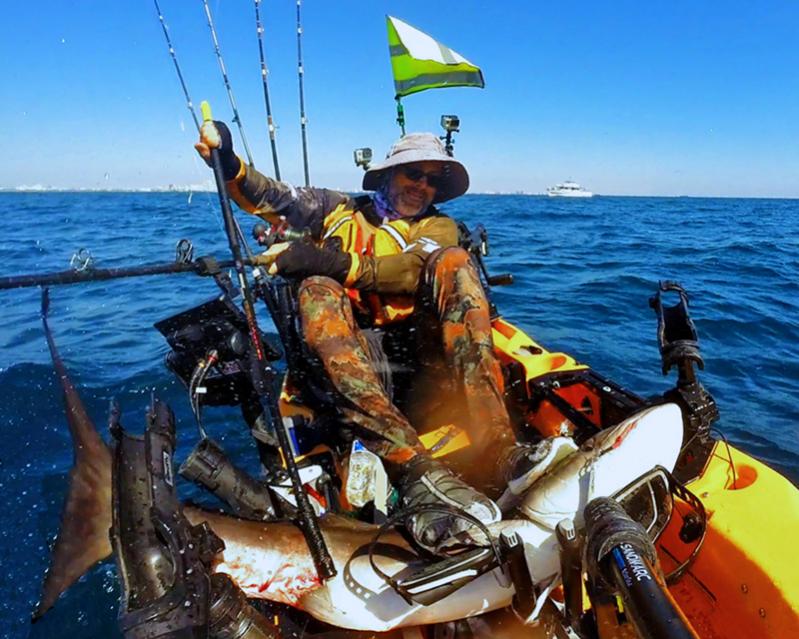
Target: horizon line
<point>210,189</point>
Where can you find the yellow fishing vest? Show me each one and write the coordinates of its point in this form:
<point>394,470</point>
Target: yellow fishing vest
<point>361,238</point>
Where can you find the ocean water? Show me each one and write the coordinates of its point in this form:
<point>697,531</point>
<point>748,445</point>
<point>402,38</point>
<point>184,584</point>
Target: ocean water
<point>584,270</point>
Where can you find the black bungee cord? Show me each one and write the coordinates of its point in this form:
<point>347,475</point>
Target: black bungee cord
<point>270,124</point>
<point>403,516</point>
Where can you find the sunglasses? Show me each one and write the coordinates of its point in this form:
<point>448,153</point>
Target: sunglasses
<point>436,180</point>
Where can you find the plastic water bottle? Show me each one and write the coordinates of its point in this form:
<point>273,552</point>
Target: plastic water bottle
<point>366,479</point>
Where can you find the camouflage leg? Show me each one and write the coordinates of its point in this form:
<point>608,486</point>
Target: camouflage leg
<point>332,334</point>
<point>457,297</point>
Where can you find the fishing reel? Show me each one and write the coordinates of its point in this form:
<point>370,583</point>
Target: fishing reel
<point>267,236</point>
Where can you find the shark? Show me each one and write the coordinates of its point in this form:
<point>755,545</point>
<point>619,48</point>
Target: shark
<point>266,560</point>
<point>271,561</point>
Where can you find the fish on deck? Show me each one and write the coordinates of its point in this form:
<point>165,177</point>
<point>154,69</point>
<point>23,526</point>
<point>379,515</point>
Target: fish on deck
<point>270,560</point>
<point>266,560</point>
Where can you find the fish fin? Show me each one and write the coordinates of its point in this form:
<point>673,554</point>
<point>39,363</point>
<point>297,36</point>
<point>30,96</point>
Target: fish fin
<point>83,538</point>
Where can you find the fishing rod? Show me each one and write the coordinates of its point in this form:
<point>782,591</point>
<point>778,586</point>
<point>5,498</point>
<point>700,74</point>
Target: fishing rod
<point>269,121</point>
<point>306,517</point>
<point>307,520</point>
<point>190,104</point>
<point>177,66</point>
<point>222,68</point>
<point>303,119</point>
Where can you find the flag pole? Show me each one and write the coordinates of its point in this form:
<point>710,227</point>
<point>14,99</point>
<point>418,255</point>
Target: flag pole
<point>400,115</point>
<point>419,63</point>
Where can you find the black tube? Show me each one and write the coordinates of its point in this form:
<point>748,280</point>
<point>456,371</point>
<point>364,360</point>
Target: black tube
<point>647,601</point>
<point>138,552</point>
<point>621,558</point>
<point>208,466</point>
<point>504,279</point>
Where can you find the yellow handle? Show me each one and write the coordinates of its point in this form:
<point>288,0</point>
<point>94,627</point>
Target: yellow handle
<point>205,109</point>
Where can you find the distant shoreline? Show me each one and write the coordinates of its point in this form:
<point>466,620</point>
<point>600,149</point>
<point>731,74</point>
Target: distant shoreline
<point>156,189</point>
<point>205,189</point>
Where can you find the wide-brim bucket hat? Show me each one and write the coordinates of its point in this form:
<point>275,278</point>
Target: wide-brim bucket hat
<point>421,147</point>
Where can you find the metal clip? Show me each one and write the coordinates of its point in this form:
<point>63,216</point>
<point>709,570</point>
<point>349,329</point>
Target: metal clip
<point>483,241</point>
<point>81,260</point>
<point>184,251</point>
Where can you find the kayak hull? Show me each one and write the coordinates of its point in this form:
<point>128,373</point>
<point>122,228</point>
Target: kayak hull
<point>745,580</point>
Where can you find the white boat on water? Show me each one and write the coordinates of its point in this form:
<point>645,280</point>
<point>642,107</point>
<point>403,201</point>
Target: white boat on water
<point>568,189</point>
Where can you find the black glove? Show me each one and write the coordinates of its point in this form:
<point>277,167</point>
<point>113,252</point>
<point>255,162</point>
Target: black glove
<point>303,259</point>
<point>231,163</point>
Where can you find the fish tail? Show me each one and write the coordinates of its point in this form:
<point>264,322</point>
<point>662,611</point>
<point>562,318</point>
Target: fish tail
<point>83,538</point>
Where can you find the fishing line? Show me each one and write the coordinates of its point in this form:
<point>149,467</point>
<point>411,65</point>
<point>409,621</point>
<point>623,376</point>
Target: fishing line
<point>300,73</point>
<point>222,68</point>
<point>269,121</point>
<point>718,432</point>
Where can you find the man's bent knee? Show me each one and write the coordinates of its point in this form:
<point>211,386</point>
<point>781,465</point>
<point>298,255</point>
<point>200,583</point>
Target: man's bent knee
<point>449,256</point>
<point>324,310</point>
<point>318,293</point>
<point>446,260</point>
<point>321,285</point>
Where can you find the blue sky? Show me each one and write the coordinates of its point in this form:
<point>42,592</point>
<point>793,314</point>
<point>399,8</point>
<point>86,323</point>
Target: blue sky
<point>664,98</point>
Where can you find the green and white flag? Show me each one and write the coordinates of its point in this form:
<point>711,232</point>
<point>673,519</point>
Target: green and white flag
<point>420,63</point>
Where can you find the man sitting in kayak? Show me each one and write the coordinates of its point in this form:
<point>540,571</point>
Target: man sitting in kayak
<point>384,259</point>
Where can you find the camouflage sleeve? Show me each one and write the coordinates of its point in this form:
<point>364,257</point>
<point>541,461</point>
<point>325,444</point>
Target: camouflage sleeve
<point>399,274</point>
<point>304,207</point>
